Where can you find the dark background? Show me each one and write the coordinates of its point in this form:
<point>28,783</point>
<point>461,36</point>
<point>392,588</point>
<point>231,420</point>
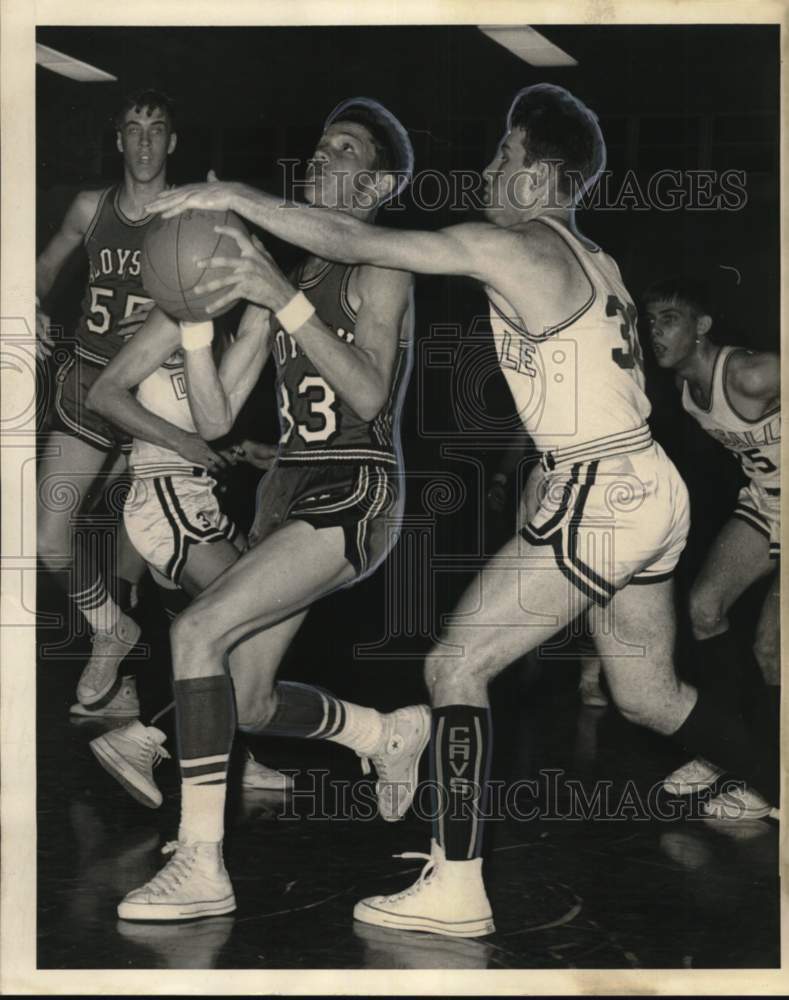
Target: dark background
<point>683,98</point>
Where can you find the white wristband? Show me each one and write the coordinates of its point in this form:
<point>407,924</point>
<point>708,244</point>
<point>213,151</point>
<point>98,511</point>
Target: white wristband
<point>295,313</point>
<point>195,336</point>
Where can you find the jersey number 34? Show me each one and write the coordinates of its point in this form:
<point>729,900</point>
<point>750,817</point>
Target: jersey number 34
<point>628,356</point>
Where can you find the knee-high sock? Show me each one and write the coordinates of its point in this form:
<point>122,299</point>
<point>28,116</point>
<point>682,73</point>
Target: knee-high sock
<point>310,712</point>
<point>460,753</point>
<point>95,604</point>
<point>725,668</point>
<point>205,724</point>
<point>721,737</point>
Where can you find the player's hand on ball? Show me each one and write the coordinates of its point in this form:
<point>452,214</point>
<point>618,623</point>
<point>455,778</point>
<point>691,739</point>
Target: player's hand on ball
<point>194,449</point>
<point>254,275</point>
<point>215,196</point>
<point>44,342</point>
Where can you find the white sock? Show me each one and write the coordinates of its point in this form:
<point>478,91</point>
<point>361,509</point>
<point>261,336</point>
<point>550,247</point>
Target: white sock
<point>97,607</point>
<point>363,729</point>
<point>202,813</point>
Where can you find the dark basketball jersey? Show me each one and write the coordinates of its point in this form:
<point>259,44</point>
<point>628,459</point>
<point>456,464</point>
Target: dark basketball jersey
<point>316,424</point>
<point>113,244</point>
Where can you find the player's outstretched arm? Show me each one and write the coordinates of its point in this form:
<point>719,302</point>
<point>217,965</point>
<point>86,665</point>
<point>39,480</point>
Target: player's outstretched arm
<point>112,394</point>
<point>216,395</point>
<point>464,249</point>
<point>49,263</point>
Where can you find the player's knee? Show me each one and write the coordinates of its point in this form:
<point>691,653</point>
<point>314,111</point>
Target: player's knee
<point>707,616</point>
<point>194,630</point>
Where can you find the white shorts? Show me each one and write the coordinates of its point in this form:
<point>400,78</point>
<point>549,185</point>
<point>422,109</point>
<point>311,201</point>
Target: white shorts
<point>167,515</point>
<point>762,510</point>
<point>612,521</point>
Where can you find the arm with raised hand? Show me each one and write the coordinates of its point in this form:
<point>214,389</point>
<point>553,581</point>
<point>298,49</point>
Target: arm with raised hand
<point>216,394</point>
<point>463,249</point>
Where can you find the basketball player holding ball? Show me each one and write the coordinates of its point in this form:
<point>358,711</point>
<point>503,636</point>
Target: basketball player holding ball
<point>111,225</point>
<point>327,512</point>
<point>553,294</point>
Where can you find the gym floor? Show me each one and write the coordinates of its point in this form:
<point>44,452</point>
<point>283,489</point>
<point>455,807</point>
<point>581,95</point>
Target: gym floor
<point>620,889</point>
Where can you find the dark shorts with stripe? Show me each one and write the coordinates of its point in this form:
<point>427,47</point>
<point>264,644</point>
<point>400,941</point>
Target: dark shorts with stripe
<point>610,522</point>
<point>364,500</point>
<point>167,516</point>
<point>761,508</point>
<point>71,415</point>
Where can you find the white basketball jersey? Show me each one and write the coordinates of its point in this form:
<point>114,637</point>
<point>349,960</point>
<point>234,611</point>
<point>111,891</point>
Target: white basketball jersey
<point>163,392</point>
<point>578,385</point>
<point>757,443</point>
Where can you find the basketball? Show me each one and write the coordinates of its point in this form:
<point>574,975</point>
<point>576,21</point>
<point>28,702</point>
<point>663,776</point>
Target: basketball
<point>170,256</point>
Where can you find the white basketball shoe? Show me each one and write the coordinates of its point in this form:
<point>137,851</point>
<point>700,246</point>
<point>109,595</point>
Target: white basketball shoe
<point>448,898</point>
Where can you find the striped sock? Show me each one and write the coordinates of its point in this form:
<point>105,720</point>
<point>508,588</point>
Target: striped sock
<point>461,751</point>
<point>311,713</point>
<point>205,723</point>
<point>96,605</point>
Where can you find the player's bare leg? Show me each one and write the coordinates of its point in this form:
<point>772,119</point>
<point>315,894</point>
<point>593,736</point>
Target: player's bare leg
<point>519,601</point>
<point>69,472</point>
<point>267,591</point>
<point>131,753</point>
<point>635,636</point>
<point>767,642</point>
<point>738,558</point>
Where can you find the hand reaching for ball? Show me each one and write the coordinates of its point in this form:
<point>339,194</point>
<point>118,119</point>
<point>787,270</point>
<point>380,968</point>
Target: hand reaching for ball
<point>214,195</point>
<point>254,275</point>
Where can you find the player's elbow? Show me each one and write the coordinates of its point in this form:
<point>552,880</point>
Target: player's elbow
<point>370,400</point>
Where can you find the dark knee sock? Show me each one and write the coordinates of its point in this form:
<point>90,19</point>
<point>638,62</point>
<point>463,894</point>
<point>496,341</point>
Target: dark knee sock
<point>720,736</point>
<point>205,725</point>
<point>460,755</point>
<point>724,668</point>
<point>302,711</point>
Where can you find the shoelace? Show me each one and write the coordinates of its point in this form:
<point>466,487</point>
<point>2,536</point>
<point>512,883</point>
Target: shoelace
<point>175,871</point>
<point>379,760</point>
<point>156,752</point>
<point>424,875</point>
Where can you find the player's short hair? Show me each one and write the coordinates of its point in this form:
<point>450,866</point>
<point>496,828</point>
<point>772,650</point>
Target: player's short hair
<point>145,100</point>
<point>684,289</point>
<point>560,128</point>
<point>394,153</point>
